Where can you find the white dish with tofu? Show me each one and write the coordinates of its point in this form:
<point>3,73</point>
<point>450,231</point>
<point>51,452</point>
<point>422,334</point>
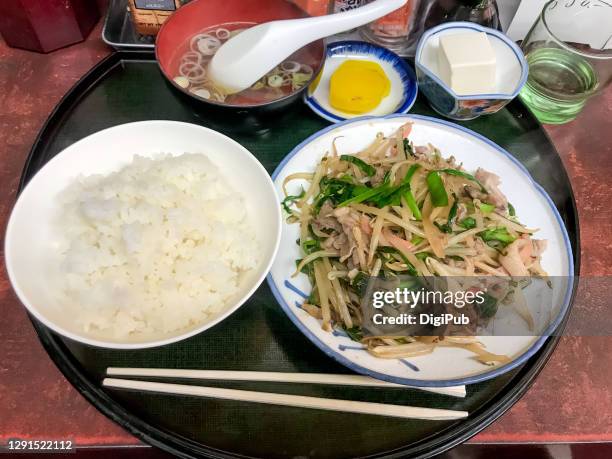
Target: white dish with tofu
<point>466,70</point>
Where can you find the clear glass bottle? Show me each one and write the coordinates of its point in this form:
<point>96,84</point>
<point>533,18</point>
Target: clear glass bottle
<point>401,30</point>
<point>393,31</point>
<point>483,12</point>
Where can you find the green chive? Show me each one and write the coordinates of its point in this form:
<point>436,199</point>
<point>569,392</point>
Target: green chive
<point>408,150</point>
<point>416,240</point>
<point>445,228</point>
<point>361,197</point>
<point>439,197</point>
<point>488,308</point>
<point>289,200</point>
<point>355,333</point>
<point>452,213</point>
<point>467,223</point>
<point>496,237</point>
<point>486,208</point>
<point>392,250</point>
<point>310,246</point>
<point>412,205</point>
<point>360,283</point>
<point>410,173</point>
<point>366,168</point>
<point>465,175</point>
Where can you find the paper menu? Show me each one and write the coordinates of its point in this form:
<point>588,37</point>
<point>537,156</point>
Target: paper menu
<point>568,25</point>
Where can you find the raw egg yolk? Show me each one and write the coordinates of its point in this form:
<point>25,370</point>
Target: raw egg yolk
<point>358,86</point>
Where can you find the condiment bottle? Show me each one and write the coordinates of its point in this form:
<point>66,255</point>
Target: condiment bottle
<point>338,6</point>
<point>483,12</point>
<point>314,7</point>
<point>149,15</point>
<point>393,31</point>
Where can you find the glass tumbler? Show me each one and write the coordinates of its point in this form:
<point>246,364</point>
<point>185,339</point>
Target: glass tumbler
<point>569,59</point>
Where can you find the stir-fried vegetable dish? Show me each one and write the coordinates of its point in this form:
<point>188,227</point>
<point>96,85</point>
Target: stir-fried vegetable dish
<point>399,209</point>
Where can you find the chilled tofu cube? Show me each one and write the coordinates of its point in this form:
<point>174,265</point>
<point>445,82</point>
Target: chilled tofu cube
<point>466,63</point>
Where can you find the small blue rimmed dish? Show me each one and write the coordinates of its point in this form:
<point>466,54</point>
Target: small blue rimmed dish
<point>511,74</point>
<point>404,88</point>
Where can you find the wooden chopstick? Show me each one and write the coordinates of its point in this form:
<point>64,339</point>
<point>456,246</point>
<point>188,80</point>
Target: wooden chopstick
<point>301,401</point>
<point>269,376</point>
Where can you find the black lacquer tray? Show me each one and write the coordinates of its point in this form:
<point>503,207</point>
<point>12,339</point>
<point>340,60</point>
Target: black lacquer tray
<point>127,86</point>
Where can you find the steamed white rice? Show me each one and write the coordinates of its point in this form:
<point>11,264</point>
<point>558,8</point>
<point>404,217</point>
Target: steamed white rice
<point>159,246</point>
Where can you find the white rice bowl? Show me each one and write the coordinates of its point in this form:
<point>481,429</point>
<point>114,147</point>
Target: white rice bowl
<point>157,246</point>
<point>114,250</point>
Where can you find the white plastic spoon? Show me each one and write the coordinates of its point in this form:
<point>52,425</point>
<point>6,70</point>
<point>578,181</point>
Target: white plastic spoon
<point>248,56</point>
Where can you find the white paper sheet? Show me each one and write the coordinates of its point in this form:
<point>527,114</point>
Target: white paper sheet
<point>507,9</point>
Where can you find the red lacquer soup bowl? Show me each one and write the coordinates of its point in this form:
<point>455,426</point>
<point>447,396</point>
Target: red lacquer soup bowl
<point>203,16</point>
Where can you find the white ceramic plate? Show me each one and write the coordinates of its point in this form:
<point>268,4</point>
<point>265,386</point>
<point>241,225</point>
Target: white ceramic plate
<point>31,236</point>
<point>445,366</point>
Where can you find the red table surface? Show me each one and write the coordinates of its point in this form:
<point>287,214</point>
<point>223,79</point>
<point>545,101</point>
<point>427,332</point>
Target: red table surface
<point>571,401</point>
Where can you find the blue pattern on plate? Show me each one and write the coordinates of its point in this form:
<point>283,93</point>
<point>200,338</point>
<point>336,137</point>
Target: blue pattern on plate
<point>339,357</point>
<point>345,347</point>
<point>410,365</point>
<point>406,74</point>
<point>292,287</point>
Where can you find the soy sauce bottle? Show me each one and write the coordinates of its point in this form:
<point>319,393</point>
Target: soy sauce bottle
<point>483,12</point>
